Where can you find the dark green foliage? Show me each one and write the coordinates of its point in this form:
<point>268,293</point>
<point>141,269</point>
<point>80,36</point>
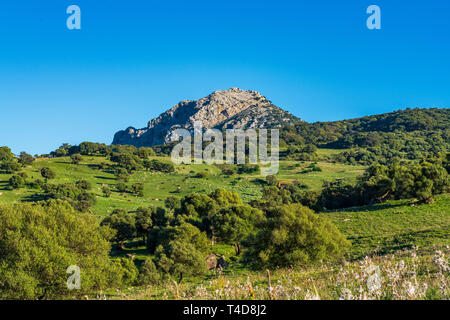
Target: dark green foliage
<point>76,158</point>
<point>129,271</point>
<point>149,274</point>
<point>145,152</point>
<point>122,174</point>
<point>233,224</point>
<point>106,191</point>
<point>121,187</point>
<point>16,182</point>
<point>127,161</point>
<point>293,235</point>
<point>76,196</point>
<point>383,138</point>
<point>159,166</point>
<point>202,175</point>
<point>6,154</point>
<point>35,255</point>
<point>93,149</point>
<point>84,184</point>
<point>182,249</point>
<point>247,168</point>
<point>48,173</point>
<point>144,222</point>
<point>123,223</point>
<point>9,166</point>
<point>25,159</point>
<point>172,202</point>
<point>271,180</point>
<point>138,189</point>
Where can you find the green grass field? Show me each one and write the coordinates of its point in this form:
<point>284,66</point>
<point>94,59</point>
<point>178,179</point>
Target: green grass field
<point>395,225</point>
<point>158,186</point>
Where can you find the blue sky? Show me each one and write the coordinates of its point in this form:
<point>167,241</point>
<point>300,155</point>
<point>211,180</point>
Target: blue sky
<point>134,59</point>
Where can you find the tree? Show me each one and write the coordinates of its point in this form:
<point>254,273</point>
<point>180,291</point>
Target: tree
<point>16,182</point>
<point>84,184</point>
<point>234,224</point>
<point>35,256</point>
<point>122,174</point>
<point>138,189</point>
<point>6,154</point>
<point>76,158</point>
<point>271,180</point>
<point>182,250</point>
<point>144,222</point>
<point>9,166</point>
<point>25,159</point>
<point>149,274</point>
<point>47,173</point>
<point>159,166</point>
<point>121,187</point>
<point>106,191</point>
<point>123,223</point>
<point>292,235</point>
<point>172,202</point>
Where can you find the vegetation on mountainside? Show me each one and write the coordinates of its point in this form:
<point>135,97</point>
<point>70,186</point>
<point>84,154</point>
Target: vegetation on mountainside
<point>128,216</point>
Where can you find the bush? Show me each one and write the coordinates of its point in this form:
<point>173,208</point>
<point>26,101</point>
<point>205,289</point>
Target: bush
<point>159,166</point>
<point>84,184</point>
<point>182,249</point>
<point>47,173</point>
<point>149,274</point>
<point>138,189</point>
<point>106,191</point>
<point>293,235</point>
<point>123,223</point>
<point>16,182</point>
<point>76,158</point>
<point>25,159</point>
<point>201,175</point>
<point>38,254</point>
<point>121,187</point>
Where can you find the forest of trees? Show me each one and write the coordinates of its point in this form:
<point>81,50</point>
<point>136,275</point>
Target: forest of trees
<point>407,134</point>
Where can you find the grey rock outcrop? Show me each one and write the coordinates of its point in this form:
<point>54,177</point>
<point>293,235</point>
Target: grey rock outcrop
<point>232,108</point>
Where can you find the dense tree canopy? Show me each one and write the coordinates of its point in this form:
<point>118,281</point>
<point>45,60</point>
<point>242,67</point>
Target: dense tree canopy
<point>292,235</point>
<point>40,241</point>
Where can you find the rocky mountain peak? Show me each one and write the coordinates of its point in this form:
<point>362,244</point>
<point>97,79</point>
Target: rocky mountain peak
<point>232,108</point>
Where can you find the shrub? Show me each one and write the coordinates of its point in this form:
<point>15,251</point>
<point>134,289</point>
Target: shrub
<point>16,182</point>
<point>293,235</point>
<point>84,184</point>
<point>38,254</point>
<point>47,173</point>
<point>76,158</point>
<point>138,189</point>
<point>182,249</point>
<point>202,175</point>
<point>149,274</point>
<point>106,191</point>
<point>121,187</point>
<point>123,223</point>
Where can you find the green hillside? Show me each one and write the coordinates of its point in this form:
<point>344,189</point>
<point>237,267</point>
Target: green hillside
<point>158,186</point>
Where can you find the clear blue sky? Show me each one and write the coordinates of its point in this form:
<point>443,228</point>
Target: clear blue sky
<point>134,59</point>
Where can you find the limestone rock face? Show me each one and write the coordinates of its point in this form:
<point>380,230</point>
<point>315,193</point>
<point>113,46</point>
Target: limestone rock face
<point>229,109</point>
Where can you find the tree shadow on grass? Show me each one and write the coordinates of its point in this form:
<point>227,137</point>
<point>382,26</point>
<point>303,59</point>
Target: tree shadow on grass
<point>34,198</point>
<point>372,207</point>
<point>104,178</point>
